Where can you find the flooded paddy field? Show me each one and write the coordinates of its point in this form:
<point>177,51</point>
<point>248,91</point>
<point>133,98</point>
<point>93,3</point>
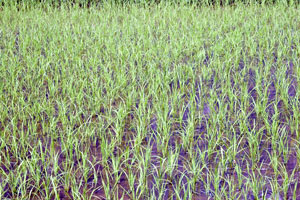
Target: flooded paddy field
<point>160,102</point>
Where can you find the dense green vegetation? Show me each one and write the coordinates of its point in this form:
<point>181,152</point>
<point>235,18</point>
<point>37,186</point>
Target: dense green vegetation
<point>149,102</point>
<point>93,3</point>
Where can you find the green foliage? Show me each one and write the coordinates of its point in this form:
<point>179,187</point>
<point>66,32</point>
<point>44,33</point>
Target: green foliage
<point>89,3</point>
<point>132,101</point>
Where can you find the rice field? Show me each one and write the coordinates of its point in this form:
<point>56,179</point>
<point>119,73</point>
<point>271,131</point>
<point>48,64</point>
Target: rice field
<point>159,102</point>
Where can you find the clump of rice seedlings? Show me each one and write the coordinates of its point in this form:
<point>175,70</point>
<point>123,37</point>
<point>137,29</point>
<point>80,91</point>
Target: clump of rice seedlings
<point>149,101</point>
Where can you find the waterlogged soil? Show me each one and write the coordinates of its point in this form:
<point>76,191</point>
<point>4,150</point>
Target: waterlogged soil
<point>260,168</point>
<point>211,161</point>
